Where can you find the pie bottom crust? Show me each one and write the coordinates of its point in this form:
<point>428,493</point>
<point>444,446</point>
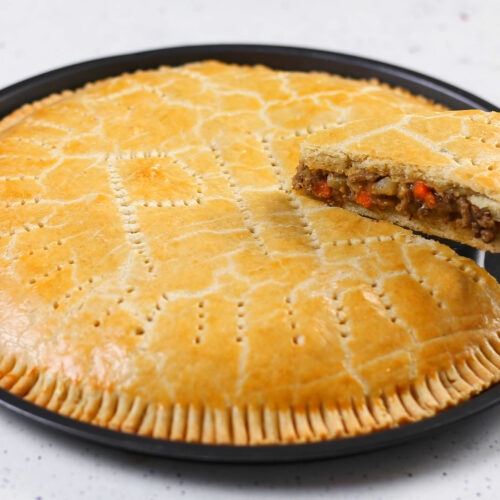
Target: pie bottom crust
<point>256,425</point>
<point>439,227</point>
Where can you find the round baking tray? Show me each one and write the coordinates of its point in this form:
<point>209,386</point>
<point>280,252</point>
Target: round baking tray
<point>287,58</point>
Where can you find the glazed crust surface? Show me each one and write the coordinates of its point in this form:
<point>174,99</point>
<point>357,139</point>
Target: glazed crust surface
<point>455,151</point>
<point>160,276</point>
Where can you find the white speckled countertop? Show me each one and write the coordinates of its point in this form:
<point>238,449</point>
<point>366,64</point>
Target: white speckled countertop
<point>454,40</point>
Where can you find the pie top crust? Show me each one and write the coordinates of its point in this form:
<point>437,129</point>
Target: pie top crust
<point>160,276</point>
<point>450,149</point>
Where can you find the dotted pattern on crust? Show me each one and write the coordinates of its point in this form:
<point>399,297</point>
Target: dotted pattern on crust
<point>193,250</point>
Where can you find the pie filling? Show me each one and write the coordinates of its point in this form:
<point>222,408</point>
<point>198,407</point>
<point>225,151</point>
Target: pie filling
<point>414,199</point>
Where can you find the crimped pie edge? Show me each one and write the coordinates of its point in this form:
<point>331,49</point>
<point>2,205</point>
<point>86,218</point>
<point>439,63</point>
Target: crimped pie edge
<point>256,425</point>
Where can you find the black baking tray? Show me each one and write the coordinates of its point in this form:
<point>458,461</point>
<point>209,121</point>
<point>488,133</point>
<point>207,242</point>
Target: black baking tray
<point>287,58</point>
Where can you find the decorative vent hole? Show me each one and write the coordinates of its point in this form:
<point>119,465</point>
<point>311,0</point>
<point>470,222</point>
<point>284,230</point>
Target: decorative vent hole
<point>55,305</point>
<point>239,339</point>
<point>299,340</point>
<point>97,323</point>
<point>139,330</point>
<point>197,340</point>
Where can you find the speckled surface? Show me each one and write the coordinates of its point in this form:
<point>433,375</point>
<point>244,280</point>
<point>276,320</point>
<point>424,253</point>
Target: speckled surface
<point>454,40</point>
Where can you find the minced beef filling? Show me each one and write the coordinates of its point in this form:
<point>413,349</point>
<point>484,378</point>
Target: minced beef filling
<point>413,199</point>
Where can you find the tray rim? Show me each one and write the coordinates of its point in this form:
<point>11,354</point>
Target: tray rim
<point>186,51</point>
<point>15,95</point>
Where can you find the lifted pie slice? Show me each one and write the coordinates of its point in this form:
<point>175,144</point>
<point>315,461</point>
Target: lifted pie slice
<point>432,172</point>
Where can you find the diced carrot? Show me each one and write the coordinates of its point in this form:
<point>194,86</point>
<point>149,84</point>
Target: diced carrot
<point>322,190</point>
<point>420,190</point>
<point>364,198</point>
<point>430,200</point>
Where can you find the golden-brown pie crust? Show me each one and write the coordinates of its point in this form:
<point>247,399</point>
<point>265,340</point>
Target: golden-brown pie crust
<point>159,275</point>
